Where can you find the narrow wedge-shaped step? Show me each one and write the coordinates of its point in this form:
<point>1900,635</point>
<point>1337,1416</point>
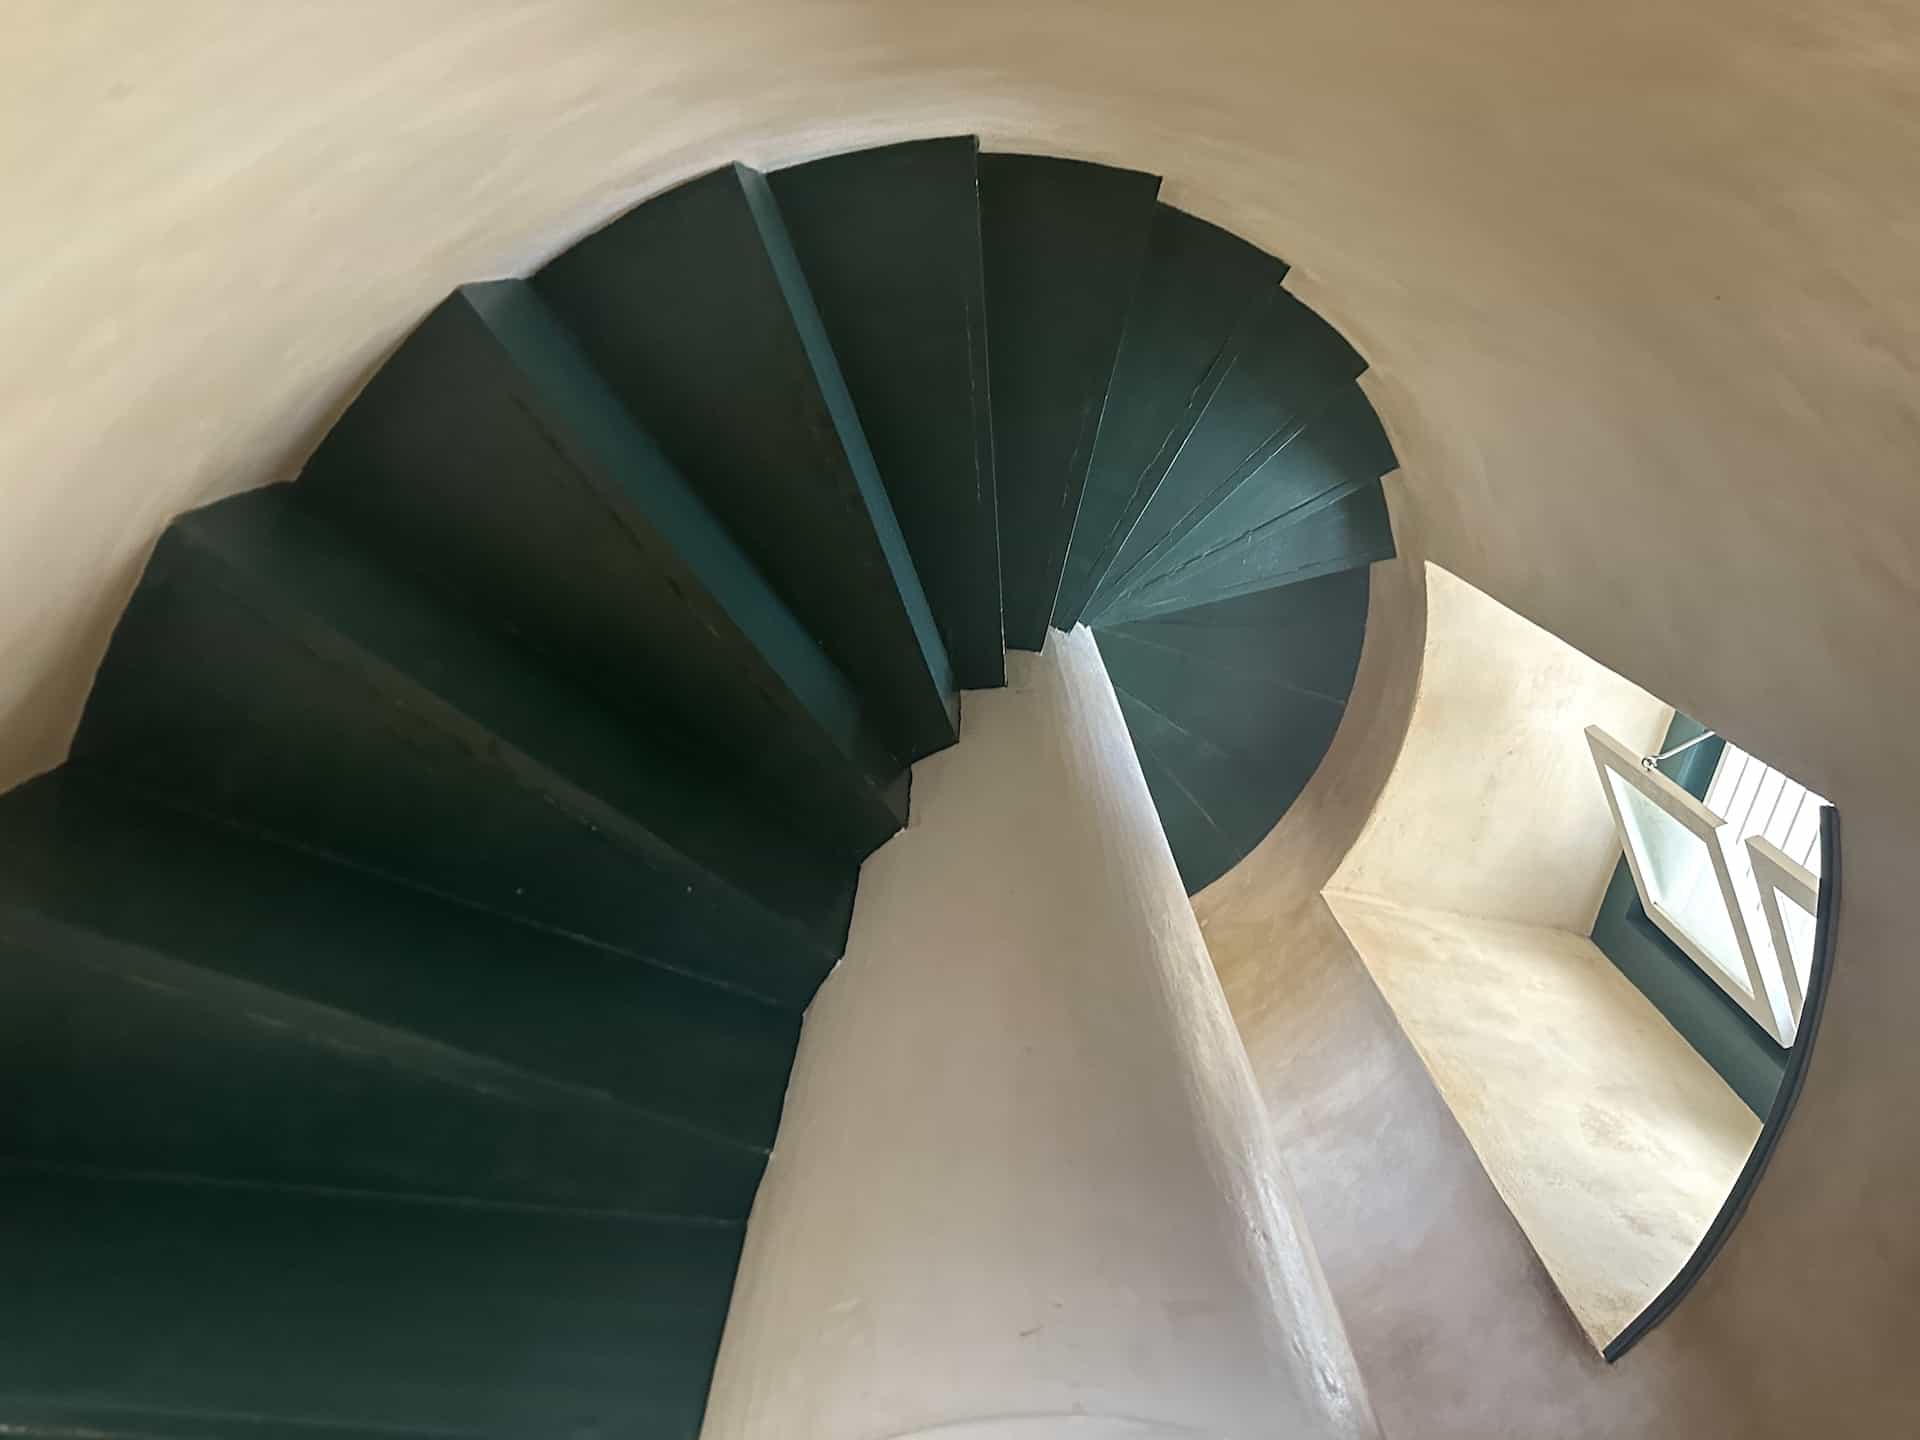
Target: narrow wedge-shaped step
<point>1312,507</point>
<point>491,459</point>
<point>889,240</point>
<point>696,310</point>
<point>1301,638</point>
<point>1280,369</point>
<point>1196,290</point>
<point>118,1058</point>
<point>1064,243</point>
<point>1274,731</point>
<point>1199,847</point>
<point>1232,706</point>
<point>430,988</point>
<point>268,672</point>
<point>168,1311</point>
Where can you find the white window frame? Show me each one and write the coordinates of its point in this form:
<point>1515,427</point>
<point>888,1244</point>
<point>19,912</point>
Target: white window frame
<point>1767,1001</point>
<point>1779,875</point>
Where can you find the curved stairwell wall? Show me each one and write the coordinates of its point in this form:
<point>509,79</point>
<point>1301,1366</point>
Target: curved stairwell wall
<point>1023,1177</point>
<point>1627,279</point>
<point>1467,897</point>
<point>1445,1298</point>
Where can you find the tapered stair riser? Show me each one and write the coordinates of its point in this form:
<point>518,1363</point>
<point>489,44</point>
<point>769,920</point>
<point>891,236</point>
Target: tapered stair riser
<point>492,458</point>
<point>243,683</point>
<point>1196,287</point>
<point>1064,245</point>
<point>889,240</point>
<point>695,309</point>
<point>1284,372</point>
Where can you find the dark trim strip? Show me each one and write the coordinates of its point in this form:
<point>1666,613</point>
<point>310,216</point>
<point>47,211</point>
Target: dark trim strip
<point>1783,1101</point>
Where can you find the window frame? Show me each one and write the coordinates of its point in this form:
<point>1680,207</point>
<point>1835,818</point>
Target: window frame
<point>1768,1001</point>
<point>1779,874</point>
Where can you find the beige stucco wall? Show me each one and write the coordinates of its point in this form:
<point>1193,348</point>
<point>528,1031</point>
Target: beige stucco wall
<point>1024,1185</point>
<point>1492,808</point>
<point>1468,895</point>
<point>1464,1330</point>
<point>1612,1142</point>
<point>1636,280</point>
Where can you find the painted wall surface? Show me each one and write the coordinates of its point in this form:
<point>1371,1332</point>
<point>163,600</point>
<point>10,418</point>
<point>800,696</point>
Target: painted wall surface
<point>1468,895</point>
<point>1458,1328</point>
<point>1449,1309</point>
<point>1613,1143</point>
<point>1635,281</point>
<point>1493,808</point>
<point>1024,1184</point>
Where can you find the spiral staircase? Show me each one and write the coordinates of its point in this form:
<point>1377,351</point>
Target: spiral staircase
<point>403,974</point>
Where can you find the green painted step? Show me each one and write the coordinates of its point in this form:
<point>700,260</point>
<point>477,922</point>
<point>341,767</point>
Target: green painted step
<point>1201,851</point>
<point>1219,779</point>
<point>1196,289</point>
<point>489,458</point>
<point>118,1058</point>
<point>404,976</point>
<point>148,893</point>
<point>1313,507</point>
<point>1278,370</point>
<point>890,243</point>
<point>1233,705</point>
<point>1064,244</point>
<point>149,1309</point>
<point>695,309</point>
<point>269,673</point>
<point>1295,638</point>
<point>1260,719</point>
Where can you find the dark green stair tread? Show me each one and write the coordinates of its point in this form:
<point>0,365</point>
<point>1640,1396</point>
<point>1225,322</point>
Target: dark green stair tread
<point>267,673</point>
<point>404,978</point>
<point>1064,243</point>
<point>1280,679</point>
<point>1213,812</point>
<point>1255,718</point>
<point>696,311</point>
<point>1343,530</point>
<point>889,240</point>
<point>179,1310</point>
<point>1279,371</point>
<point>1234,705</point>
<point>1196,288</point>
<point>1201,852</point>
<point>1333,451</point>
<point>1241,791</point>
<point>87,866</point>
<point>114,1059</point>
<point>489,458</point>
<point>1292,640</point>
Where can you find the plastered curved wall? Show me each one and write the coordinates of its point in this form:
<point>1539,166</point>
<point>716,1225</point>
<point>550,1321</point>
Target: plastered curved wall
<point>1023,1184</point>
<point>1636,282</point>
<point>1492,809</point>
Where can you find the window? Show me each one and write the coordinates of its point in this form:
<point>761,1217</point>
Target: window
<point>1732,879</point>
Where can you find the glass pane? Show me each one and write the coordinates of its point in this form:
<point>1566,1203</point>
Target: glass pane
<point>1784,809</point>
<point>1726,776</point>
<point>1803,840</point>
<point>1678,870</point>
<point>1764,799</point>
<point>1741,805</point>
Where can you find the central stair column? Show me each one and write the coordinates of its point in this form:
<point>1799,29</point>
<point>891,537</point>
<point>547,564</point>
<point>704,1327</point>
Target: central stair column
<point>1024,1185</point>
